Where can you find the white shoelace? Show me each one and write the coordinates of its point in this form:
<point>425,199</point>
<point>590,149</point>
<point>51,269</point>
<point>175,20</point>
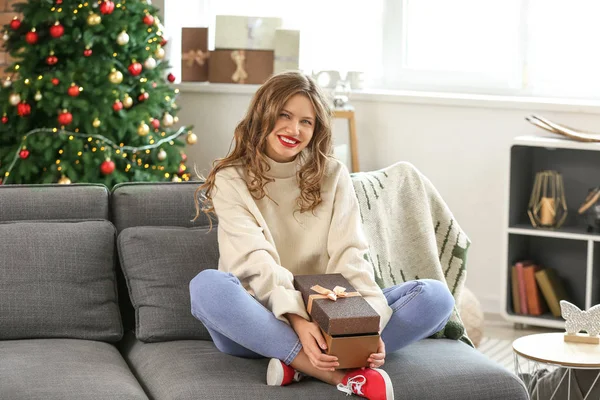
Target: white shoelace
<point>353,385</point>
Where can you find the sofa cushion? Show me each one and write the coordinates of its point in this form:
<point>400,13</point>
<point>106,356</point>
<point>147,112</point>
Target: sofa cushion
<point>65,369</point>
<point>431,369</point>
<point>53,202</point>
<point>158,264</point>
<point>57,279</point>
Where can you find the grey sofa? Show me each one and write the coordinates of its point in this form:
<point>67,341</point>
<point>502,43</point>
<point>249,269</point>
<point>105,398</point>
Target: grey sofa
<point>94,304</point>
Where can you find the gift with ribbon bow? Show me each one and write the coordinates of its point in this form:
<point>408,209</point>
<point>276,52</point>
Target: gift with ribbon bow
<point>240,66</point>
<point>194,54</point>
<point>244,32</point>
<point>348,323</point>
<point>335,305</point>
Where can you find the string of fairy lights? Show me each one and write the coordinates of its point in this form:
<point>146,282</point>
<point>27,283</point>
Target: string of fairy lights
<point>120,149</point>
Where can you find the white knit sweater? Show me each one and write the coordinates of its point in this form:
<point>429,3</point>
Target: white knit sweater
<point>266,242</point>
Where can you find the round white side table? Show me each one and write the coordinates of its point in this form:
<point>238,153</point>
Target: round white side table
<point>540,356</point>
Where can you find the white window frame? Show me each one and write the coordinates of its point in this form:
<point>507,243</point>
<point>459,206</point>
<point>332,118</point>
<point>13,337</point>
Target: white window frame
<point>396,76</point>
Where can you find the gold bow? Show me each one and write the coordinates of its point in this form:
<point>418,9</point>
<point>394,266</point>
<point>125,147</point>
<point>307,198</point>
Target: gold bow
<point>197,56</point>
<point>240,75</point>
<point>325,293</point>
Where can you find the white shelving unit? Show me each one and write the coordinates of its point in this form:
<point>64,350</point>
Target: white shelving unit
<point>571,250</point>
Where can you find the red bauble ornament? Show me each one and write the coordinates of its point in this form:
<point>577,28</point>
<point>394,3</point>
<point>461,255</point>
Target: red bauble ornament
<point>59,2</point>
<point>87,52</point>
<point>135,68</point>
<point>144,96</point>
<point>107,167</point>
<point>15,24</point>
<point>117,106</point>
<point>155,123</point>
<point>23,154</point>
<point>57,30</point>
<point>107,7</point>
<point>65,118</point>
<point>154,85</point>
<point>163,42</point>
<point>55,81</point>
<point>51,60</point>
<point>183,157</point>
<point>4,119</point>
<point>73,90</point>
<point>171,78</point>
<point>23,109</point>
<point>148,19</point>
<point>31,37</point>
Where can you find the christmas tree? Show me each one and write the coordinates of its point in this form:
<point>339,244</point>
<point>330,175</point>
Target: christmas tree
<point>87,99</point>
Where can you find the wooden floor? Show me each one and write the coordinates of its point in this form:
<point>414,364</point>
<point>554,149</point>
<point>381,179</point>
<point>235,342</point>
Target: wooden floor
<point>497,328</point>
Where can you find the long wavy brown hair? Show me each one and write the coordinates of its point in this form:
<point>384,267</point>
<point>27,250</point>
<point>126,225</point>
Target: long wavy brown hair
<point>250,138</point>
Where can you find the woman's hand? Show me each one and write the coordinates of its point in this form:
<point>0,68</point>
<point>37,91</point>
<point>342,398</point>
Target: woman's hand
<point>376,360</point>
<point>312,343</point>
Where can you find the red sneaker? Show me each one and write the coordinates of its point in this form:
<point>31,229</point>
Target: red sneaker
<point>280,374</point>
<point>370,383</point>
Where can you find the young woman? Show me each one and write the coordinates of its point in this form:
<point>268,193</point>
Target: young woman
<point>286,207</point>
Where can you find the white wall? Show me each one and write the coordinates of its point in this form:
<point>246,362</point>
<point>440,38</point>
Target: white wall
<point>462,149</point>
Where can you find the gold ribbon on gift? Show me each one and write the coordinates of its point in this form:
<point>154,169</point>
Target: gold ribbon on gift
<point>240,74</point>
<point>195,56</point>
<point>324,293</point>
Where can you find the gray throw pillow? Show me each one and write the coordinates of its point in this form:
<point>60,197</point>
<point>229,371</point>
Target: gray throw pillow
<point>158,264</point>
<point>57,280</point>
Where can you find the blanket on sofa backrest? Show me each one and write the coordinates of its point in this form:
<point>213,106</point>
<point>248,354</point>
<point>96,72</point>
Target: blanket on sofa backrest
<point>411,233</point>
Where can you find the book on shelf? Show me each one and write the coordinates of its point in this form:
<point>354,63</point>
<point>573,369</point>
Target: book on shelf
<point>552,288</point>
<point>535,303</point>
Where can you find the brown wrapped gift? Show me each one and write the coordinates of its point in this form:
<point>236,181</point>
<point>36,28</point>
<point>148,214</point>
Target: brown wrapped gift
<point>351,351</point>
<point>346,316</point>
<point>240,66</point>
<point>349,324</point>
<point>194,54</point>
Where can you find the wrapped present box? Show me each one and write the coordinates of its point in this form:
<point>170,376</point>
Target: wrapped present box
<point>287,50</point>
<point>247,33</point>
<point>349,324</point>
<point>194,54</point>
<point>240,66</point>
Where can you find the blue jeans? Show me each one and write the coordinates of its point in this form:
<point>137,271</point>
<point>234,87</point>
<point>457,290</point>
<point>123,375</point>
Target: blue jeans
<point>240,326</point>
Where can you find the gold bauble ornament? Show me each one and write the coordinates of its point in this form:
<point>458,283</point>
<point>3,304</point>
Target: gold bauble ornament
<point>143,129</point>
<point>96,123</point>
<point>162,155</point>
<point>115,77</point>
<point>176,179</point>
<point>14,99</point>
<point>159,53</point>
<point>127,101</point>
<point>7,83</point>
<point>64,180</point>
<point>38,96</point>
<point>94,19</point>
<point>167,119</point>
<point>191,138</point>
<point>150,63</point>
<point>176,119</point>
<point>123,38</point>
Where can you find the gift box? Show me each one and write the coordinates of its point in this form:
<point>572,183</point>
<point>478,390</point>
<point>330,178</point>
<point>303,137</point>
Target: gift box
<point>247,33</point>
<point>287,50</point>
<point>348,323</point>
<point>194,54</point>
<point>240,66</point>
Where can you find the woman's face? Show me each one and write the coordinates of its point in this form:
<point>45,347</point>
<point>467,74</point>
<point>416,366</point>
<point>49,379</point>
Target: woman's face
<point>293,129</point>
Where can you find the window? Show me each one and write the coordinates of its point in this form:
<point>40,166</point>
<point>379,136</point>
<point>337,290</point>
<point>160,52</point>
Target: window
<point>516,47</point>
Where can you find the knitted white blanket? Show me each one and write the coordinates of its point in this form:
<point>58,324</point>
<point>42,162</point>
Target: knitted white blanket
<point>411,232</point>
